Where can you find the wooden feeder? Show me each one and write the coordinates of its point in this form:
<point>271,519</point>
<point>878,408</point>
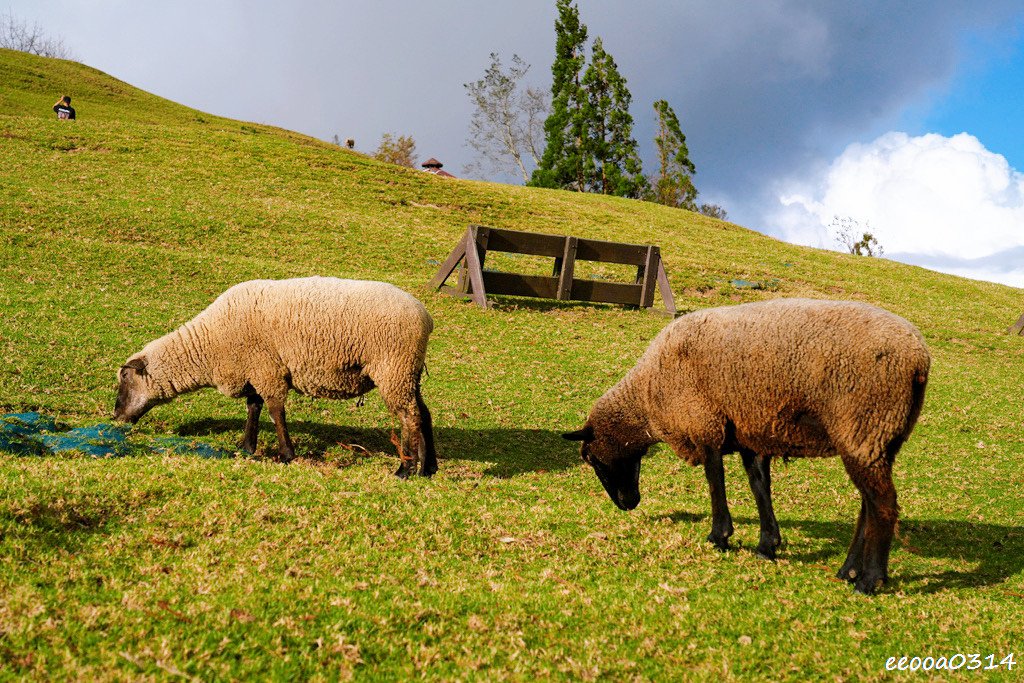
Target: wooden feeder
<point>476,283</point>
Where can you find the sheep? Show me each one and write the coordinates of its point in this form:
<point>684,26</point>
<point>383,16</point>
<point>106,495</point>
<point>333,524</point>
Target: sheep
<point>323,337</point>
<point>796,378</point>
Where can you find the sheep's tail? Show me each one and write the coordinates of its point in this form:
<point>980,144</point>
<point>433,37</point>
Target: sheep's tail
<point>916,398</point>
<point>917,389</point>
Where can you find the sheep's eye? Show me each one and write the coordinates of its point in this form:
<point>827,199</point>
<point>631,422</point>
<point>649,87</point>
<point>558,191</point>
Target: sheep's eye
<point>585,455</point>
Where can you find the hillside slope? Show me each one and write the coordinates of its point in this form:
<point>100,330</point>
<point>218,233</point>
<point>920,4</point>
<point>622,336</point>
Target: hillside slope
<point>120,226</point>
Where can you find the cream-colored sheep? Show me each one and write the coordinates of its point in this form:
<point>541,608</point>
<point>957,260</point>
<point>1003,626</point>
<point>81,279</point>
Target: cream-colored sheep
<point>323,337</point>
<point>788,377</point>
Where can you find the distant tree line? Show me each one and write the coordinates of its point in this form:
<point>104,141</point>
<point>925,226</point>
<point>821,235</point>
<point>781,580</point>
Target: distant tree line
<point>585,130</point>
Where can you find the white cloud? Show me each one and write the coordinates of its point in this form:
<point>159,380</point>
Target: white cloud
<point>945,203</point>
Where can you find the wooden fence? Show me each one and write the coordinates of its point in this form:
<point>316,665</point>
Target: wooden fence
<point>476,283</point>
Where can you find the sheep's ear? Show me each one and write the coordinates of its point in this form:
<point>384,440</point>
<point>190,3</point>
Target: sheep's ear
<point>585,434</point>
<point>138,364</point>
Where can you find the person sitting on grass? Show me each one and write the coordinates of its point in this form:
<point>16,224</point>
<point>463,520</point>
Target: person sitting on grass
<point>64,109</point>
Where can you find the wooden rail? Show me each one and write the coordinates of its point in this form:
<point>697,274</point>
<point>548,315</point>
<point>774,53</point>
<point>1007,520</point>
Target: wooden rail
<point>476,283</point>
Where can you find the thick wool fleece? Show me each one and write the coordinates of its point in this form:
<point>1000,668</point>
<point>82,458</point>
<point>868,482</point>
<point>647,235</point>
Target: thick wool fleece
<point>787,377</point>
<point>321,336</point>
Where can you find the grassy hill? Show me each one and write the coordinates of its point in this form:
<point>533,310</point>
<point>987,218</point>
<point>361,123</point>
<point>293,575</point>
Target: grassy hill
<point>510,563</point>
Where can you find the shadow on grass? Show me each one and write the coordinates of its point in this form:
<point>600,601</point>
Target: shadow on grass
<point>512,303</point>
<point>508,303</point>
<point>509,451</point>
<point>997,551</point>
<point>59,523</point>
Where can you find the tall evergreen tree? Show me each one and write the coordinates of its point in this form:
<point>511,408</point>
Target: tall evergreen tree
<point>611,162</point>
<point>565,129</point>
<point>673,186</point>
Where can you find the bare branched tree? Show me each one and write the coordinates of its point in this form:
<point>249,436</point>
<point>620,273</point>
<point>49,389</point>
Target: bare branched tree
<point>18,34</point>
<point>845,231</point>
<point>507,127</point>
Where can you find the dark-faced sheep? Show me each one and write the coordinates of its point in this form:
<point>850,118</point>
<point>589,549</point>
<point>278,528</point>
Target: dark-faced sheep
<point>795,378</point>
<point>323,337</point>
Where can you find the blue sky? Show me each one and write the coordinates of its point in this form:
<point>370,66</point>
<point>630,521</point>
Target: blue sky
<point>795,111</point>
<point>940,182</point>
<point>985,97</point>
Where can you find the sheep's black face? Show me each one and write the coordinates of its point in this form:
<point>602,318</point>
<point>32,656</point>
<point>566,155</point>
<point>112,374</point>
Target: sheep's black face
<point>621,480</point>
<point>617,465</point>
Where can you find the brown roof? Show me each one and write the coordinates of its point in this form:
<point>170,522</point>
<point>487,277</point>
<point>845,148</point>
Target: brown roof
<point>431,163</point>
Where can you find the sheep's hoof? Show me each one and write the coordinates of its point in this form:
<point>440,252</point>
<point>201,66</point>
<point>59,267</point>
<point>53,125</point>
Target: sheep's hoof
<point>403,471</point>
<point>768,547</point>
<point>848,573</point>
<point>722,543</point>
<point>428,471</point>
<point>867,585</point>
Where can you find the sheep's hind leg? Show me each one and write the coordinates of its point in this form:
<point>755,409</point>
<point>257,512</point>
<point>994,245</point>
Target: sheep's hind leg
<point>878,498</point>
<point>285,450</point>
<point>427,454</point>
<point>406,450</point>
<point>416,447</point>
<point>254,404</point>
<point>721,520</point>
<point>760,477</point>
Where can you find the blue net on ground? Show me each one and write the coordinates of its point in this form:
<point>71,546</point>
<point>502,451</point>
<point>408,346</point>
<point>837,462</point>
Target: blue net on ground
<point>102,441</point>
<point>181,446</point>
<point>19,432</point>
<point>36,434</point>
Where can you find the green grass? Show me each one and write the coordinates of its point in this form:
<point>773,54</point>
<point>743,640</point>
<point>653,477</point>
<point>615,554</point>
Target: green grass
<point>511,563</point>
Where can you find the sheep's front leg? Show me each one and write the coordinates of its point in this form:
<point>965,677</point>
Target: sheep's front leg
<point>285,450</point>
<point>721,520</point>
<point>760,477</point>
<point>254,405</point>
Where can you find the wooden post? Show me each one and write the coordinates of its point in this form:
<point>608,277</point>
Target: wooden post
<point>449,264</point>
<point>475,252</point>
<point>1017,327</point>
<point>469,238</point>
<point>649,276</point>
<point>568,267</point>
<point>666,289</point>
<point>483,236</point>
